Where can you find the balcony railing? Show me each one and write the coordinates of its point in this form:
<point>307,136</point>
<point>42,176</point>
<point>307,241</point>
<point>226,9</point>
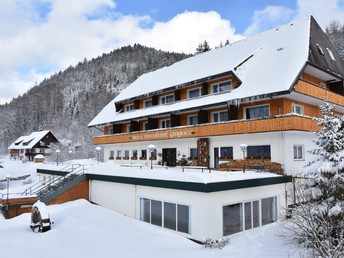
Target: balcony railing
<point>289,122</point>
<point>318,92</point>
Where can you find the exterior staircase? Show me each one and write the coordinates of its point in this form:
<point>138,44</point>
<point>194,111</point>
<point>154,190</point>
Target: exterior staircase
<point>47,191</point>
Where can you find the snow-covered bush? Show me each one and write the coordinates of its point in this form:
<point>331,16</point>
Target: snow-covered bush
<point>216,244</point>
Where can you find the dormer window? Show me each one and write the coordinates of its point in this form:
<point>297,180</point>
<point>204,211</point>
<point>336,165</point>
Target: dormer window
<point>331,54</point>
<point>129,107</point>
<point>221,87</point>
<point>321,51</point>
<point>194,93</point>
<point>167,99</point>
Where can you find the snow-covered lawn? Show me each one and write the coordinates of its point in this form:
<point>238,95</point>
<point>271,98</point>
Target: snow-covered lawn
<point>82,229</point>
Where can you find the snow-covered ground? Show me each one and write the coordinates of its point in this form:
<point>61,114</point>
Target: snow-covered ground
<point>82,229</point>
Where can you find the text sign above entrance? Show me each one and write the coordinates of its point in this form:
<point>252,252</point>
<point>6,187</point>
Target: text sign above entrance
<point>164,135</point>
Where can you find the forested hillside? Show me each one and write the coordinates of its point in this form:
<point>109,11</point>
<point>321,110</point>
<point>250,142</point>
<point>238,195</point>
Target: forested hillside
<point>67,101</point>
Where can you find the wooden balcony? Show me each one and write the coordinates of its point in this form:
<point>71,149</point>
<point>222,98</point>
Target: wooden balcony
<point>271,124</point>
<point>315,91</point>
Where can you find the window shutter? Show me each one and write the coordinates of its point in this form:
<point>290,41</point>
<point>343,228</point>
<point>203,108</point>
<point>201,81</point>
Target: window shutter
<point>233,112</point>
<point>205,88</point>
<point>134,126</point>
<point>175,120</point>
<point>154,100</point>
<point>177,95</point>
<point>152,123</point>
<point>137,104</point>
<point>117,128</point>
<point>118,106</point>
<point>202,116</point>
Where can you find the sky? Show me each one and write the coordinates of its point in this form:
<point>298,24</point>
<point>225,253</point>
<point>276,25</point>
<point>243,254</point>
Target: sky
<point>41,37</point>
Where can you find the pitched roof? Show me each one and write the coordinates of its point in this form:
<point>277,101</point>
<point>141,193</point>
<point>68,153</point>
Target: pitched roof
<point>27,142</point>
<point>267,63</point>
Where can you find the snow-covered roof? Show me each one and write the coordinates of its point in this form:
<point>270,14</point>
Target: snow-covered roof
<point>266,63</point>
<point>27,142</point>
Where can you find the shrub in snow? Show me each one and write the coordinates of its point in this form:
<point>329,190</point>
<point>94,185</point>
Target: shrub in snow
<point>216,244</point>
<point>318,217</point>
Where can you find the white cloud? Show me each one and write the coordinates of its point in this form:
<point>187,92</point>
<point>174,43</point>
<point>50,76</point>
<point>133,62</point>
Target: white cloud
<point>269,17</point>
<point>324,11</point>
<point>45,42</point>
<point>185,31</point>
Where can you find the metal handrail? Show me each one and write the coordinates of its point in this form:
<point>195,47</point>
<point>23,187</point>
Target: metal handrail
<point>70,169</point>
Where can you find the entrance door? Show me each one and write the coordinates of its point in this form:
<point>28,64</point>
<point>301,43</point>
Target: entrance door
<point>169,156</point>
<point>216,157</point>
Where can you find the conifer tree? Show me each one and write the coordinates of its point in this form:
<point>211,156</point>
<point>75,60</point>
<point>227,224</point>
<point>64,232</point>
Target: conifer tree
<point>318,219</point>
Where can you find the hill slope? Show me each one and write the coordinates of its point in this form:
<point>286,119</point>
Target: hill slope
<point>67,101</point>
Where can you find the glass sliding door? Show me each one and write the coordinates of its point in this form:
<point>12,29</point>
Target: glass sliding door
<point>232,219</point>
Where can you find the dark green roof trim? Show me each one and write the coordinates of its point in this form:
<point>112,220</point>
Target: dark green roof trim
<point>182,185</point>
<point>192,186</point>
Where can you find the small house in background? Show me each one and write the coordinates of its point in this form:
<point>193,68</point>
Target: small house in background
<point>27,147</point>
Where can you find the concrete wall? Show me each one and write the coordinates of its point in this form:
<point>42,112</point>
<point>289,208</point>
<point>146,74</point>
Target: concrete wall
<point>205,208</point>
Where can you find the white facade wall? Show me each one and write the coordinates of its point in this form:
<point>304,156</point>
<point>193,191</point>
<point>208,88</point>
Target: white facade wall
<point>205,208</point>
<point>281,147</point>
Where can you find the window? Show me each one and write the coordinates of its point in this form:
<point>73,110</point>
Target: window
<point>219,116</point>
<point>298,152</point>
<point>143,154</point>
<point>145,210</point>
<point>222,86</point>
<point>119,154</point>
<point>192,120</point>
<point>165,214</point>
<point>331,54</point>
<point>232,219</point>
<point>193,153</point>
<point>129,107</point>
<point>170,215</point>
<point>298,109</point>
<point>259,152</point>
<point>148,103</point>
<point>112,154</point>
<point>244,216</point>
<point>111,130</point>
<point>153,154</point>
<point>167,99</point>
<point>226,152</point>
<point>145,126</point>
<point>128,128</point>
<point>156,213</point>
<point>321,51</point>
<point>165,123</point>
<point>194,93</point>
<point>256,112</point>
<point>126,154</point>
<point>134,154</point>
<point>269,210</point>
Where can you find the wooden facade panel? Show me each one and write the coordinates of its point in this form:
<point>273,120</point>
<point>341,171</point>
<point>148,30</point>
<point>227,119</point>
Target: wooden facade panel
<point>79,191</point>
<point>235,127</point>
<point>319,93</point>
<point>309,78</point>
